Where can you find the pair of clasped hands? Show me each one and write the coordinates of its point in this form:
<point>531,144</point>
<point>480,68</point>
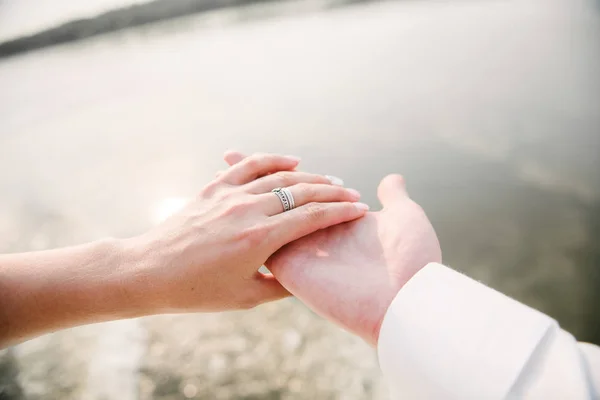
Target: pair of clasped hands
<point>345,263</point>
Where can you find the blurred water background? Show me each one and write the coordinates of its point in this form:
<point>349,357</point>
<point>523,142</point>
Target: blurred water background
<point>491,110</point>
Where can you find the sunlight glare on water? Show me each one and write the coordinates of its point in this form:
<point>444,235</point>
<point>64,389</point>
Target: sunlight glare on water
<point>167,207</point>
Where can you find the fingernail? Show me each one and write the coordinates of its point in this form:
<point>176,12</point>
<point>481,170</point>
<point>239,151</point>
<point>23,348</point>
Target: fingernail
<point>355,193</point>
<point>362,206</point>
<point>293,158</point>
<point>335,180</point>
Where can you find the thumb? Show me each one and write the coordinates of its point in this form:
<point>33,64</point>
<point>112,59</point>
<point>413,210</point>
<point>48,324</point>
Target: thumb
<point>265,288</point>
<point>392,190</point>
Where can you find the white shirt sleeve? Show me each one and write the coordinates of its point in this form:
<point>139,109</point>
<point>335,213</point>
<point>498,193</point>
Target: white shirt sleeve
<point>446,336</point>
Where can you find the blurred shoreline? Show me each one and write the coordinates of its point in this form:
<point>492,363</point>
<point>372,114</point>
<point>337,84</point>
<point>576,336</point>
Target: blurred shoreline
<point>135,15</point>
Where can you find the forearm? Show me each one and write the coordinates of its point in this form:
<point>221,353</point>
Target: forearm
<point>55,289</point>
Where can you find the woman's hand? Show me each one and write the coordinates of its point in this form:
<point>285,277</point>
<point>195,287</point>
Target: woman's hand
<point>204,258</point>
<point>207,256</point>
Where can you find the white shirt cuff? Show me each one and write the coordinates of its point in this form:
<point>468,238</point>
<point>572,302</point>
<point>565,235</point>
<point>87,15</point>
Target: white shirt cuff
<point>448,336</point>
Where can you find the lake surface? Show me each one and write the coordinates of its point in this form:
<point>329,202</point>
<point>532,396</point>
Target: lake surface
<point>490,109</point>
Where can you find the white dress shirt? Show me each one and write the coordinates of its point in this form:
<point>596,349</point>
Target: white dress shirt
<point>446,336</point>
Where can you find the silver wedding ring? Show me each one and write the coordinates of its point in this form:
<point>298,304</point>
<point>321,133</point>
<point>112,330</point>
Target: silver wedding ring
<point>286,198</point>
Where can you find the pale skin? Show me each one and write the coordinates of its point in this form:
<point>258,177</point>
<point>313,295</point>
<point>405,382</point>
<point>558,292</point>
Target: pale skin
<point>350,273</point>
<point>204,258</point>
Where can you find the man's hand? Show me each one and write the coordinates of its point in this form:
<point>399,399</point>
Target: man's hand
<point>350,273</point>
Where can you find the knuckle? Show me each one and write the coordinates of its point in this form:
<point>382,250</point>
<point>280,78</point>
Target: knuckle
<point>339,192</point>
<point>342,210</point>
<point>236,206</point>
<point>227,193</point>
<point>315,212</point>
<point>321,179</point>
<point>210,189</point>
<point>284,178</point>
<point>253,236</point>
<point>307,190</point>
<point>252,163</point>
<point>347,208</point>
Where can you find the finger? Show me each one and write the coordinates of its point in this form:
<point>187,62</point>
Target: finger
<point>304,193</point>
<point>391,190</point>
<point>264,288</point>
<point>288,178</point>
<point>257,165</point>
<point>302,221</point>
<point>233,157</point>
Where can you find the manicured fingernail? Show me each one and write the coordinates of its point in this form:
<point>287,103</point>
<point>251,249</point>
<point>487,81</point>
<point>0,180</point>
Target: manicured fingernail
<point>362,206</point>
<point>335,180</point>
<point>293,158</point>
<point>355,193</point>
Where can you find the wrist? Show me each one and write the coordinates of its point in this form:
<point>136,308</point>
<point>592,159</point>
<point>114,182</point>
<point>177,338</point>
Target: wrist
<point>384,305</point>
<point>117,290</point>
<point>57,289</point>
<point>386,302</point>
<point>140,283</point>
